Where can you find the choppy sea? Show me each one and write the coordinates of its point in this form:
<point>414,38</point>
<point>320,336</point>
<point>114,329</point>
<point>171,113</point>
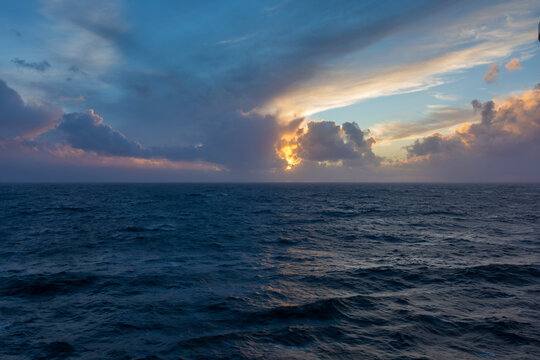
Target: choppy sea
<point>269,271</point>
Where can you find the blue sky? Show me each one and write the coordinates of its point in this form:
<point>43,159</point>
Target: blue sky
<point>268,90</point>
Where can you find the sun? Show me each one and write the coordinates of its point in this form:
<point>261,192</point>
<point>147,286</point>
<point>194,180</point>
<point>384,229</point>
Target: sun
<point>288,153</point>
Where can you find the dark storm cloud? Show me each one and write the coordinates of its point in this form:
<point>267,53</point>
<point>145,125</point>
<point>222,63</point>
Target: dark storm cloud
<point>327,141</point>
<point>20,119</point>
<point>39,66</point>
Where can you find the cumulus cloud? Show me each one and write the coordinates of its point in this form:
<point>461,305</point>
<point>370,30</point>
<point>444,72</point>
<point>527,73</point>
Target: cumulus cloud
<point>86,131</point>
<point>492,76</point>
<point>18,119</point>
<point>323,141</point>
<point>513,65</point>
<point>39,66</point>
<point>506,129</point>
<point>326,141</point>
<point>433,144</point>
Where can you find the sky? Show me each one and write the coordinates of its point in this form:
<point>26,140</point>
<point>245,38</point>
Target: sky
<point>279,91</point>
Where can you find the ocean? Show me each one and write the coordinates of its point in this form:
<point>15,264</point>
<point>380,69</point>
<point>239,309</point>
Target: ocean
<point>269,271</point>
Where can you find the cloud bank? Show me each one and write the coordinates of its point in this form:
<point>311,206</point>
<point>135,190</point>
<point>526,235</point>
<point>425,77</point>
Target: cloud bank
<point>509,131</point>
<point>239,85</point>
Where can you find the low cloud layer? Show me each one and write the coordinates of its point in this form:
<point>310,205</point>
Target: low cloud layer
<point>247,144</point>
<point>507,129</point>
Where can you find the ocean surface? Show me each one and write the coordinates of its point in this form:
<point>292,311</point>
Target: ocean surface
<point>270,271</point>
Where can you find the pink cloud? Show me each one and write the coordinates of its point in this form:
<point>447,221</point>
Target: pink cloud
<point>513,65</point>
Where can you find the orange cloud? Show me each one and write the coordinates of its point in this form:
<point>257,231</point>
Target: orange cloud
<point>325,142</point>
<point>507,127</point>
<point>513,65</point>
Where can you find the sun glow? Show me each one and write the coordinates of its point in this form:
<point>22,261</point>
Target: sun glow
<point>288,153</point>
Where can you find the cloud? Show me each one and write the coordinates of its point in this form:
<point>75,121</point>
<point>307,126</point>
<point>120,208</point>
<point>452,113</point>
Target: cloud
<point>432,144</point>
<point>235,40</point>
<point>77,70</point>
<point>492,76</point>
<point>507,129</point>
<point>513,65</point>
<point>86,131</point>
<point>341,84</point>
<point>18,119</point>
<point>232,105</point>
<point>39,66</point>
<point>67,98</point>
<point>436,120</point>
<point>325,141</point>
<point>247,144</point>
<point>445,97</point>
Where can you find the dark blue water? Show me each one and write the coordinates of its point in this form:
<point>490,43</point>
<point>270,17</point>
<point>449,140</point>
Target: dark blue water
<point>299,271</point>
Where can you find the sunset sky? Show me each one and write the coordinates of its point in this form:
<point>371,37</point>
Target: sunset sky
<point>269,91</point>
